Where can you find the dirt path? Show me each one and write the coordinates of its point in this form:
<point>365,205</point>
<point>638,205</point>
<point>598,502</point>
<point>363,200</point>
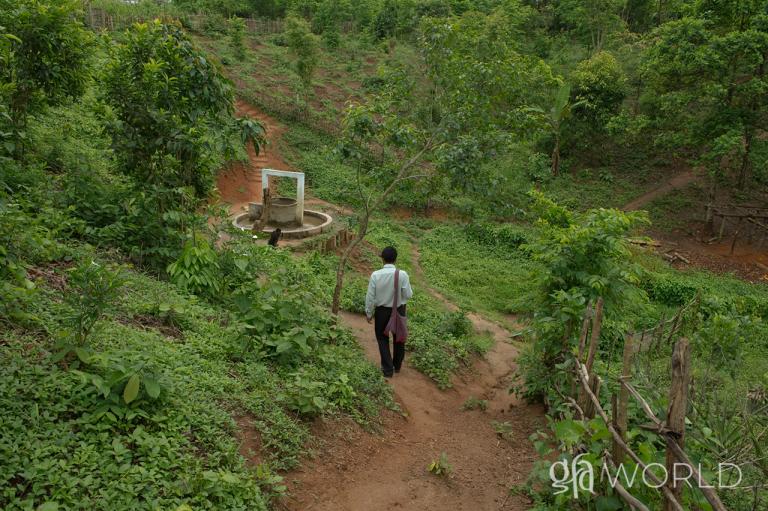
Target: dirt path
<point>678,181</point>
<point>360,471</point>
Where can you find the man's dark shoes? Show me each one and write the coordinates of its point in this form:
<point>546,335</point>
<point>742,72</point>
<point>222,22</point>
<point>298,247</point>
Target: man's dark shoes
<point>397,369</point>
<point>388,375</point>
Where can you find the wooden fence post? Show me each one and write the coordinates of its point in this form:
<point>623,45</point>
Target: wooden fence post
<point>678,407</point>
<point>621,418</point>
<point>584,331</point>
<point>594,381</point>
<point>595,339</point>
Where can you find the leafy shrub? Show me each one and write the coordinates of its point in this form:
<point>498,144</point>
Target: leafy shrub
<point>504,236</point>
<point>168,134</point>
<point>305,396</point>
<point>455,324</point>
<point>539,168</point>
<point>440,466</point>
<point>236,28</point>
<point>124,388</point>
<point>668,289</point>
<point>474,403</point>
<point>45,60</point>
<point>92,290</point>
<point>303,44</point>
<point>599,87</point>
<point>583,257</point>
<point>197,268</point>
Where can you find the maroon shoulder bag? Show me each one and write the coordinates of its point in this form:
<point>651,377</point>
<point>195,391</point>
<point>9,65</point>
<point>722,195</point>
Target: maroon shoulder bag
<point>397,324</point>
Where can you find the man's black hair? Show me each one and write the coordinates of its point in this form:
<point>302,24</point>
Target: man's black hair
<point>389,255</point>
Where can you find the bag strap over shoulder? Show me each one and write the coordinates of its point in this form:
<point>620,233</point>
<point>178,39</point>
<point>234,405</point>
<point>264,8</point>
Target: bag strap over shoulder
<point>397,290</point>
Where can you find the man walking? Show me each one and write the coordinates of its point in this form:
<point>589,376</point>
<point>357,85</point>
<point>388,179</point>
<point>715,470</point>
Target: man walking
<point>378,307</point>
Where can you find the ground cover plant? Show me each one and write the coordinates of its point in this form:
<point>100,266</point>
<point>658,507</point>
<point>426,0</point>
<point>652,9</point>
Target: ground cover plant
<point>141,339</point>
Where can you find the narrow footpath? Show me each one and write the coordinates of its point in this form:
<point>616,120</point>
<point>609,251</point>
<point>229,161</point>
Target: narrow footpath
<point>355,470</point>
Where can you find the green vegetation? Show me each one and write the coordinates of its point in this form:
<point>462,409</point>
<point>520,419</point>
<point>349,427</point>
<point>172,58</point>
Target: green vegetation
<point>479,267</point>
<point>141,337</point>
<point>440,466</point>
<point>474,403</point>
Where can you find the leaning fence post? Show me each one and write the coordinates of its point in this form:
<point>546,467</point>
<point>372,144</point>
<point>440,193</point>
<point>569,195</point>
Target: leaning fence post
<point>678,406</point>
<point>597,319</point>
<point>584,331</point>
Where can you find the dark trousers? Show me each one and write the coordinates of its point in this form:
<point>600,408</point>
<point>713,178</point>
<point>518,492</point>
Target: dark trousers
<point>388,364</point>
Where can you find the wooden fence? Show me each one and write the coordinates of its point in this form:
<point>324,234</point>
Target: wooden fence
<point>743,221</point>
<point>671,428</point>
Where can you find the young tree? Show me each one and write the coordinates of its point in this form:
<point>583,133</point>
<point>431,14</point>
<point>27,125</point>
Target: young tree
<point>173,128</point>
<point>447,114</point>
<point>592,20</point>
<point>599,85</point>
<point>236,28</point>
<point>559,113</point>
<point>45,61</point>
<point>171,102</point>
<point>304,45</point>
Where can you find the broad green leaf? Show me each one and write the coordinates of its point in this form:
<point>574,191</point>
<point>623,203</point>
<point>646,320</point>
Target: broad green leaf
<point>152,387</point>
<point>569,431</point>
<point>131,390</point>
<point>607,503</point>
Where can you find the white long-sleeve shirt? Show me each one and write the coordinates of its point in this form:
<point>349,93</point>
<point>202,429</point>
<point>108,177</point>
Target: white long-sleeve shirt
<point>381,289</point>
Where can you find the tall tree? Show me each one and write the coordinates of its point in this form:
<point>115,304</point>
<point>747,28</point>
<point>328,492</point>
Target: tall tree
<point>592,20</point>
<point>172,102</point>
<point>448,114</point>
<point>707,87</point>
<point>304,46</point>
<point>559,113</point>
<point>45,62</point>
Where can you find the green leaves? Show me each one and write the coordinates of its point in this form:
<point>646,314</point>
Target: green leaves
<point>171,102</point>
<point>197,268</point>
<point>569,432</point>
<point>45,56</point>
<point>131,390</point>
<point>304,45</point>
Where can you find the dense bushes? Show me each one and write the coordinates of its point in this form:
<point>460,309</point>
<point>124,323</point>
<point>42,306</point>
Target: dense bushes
<point>275,352</point>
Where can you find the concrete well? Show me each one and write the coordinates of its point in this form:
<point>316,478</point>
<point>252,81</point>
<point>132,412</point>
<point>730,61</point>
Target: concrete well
<point>282,211</point>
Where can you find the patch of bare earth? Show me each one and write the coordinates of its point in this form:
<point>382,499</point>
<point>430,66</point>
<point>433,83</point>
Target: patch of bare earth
<point>249,439</point>
<point>241,182</point>
<point>748,262</point>
<point>692,247</point>
<point>355,470</point>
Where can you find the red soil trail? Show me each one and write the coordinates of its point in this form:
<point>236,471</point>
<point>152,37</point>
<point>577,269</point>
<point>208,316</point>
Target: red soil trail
<point>356,470</point>
<point>676,182</point>
<point>241,183</point>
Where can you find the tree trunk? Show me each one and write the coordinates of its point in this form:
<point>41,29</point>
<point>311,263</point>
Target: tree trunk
<point>361,232</point>
<point>365,217</point>
<point>556,157</point>
<point>745,161</point>
<point>678,408</point>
